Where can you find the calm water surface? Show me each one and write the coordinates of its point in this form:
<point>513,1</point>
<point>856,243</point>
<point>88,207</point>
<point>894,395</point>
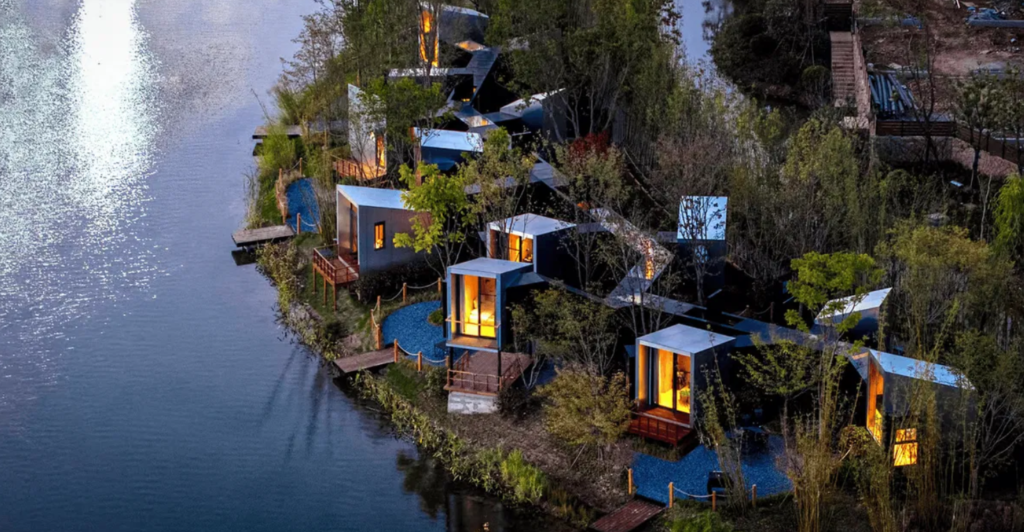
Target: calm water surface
<point>144,383</point>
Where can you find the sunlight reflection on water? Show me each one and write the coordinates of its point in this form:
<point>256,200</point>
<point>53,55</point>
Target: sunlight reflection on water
<point>78,121</point>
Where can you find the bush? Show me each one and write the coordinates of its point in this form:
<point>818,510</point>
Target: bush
<point>526,481</point>
<point>436,317</point>
<point>437,378</point>
<point>685,520</point>
<point>336,330</point>
<point>584,409</point>
<point>388,282</point>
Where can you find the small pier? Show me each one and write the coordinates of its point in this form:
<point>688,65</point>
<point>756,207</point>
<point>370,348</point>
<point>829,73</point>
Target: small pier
<point>365,361</point>
<point>478,373</point>
<point>335,270</point>
<point>263,235</point>
<point>629,517</point>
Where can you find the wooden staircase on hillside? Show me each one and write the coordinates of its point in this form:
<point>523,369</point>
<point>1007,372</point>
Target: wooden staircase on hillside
<point>844,82</point>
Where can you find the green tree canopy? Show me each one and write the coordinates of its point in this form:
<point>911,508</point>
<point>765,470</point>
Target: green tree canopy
<point>445,214</point>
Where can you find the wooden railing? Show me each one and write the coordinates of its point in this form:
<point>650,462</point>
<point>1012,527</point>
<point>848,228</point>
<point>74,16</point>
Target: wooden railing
<point>342,275</point>
<point>460,379</point>
<point>657,428</point>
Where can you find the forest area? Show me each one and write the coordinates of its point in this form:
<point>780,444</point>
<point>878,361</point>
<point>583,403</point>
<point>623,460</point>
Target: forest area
<point>815,213</point>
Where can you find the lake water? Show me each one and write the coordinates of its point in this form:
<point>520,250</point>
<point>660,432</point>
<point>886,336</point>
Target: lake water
<point>144,382</point>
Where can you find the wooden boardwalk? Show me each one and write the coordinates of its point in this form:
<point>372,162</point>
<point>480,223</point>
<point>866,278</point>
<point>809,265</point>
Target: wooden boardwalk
<point>365,361</point>
<point>629,517</point>
<point>263,235</point>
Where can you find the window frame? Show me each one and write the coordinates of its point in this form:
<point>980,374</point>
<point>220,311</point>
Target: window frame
<point>383,241</point>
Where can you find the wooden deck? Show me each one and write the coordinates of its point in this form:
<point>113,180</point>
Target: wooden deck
<point>334,270</point>
<point>477,373</point>
<point>629,517</point>
<point>661,424</point>
<point>263,235</point>
<point>365,361</point>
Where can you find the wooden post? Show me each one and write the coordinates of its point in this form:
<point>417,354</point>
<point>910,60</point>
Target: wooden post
<point>396,350</point>
<point>378,301</point>
<point>753,498</point>
<point>404,290</point>
<point>438,286</point>
<point>629,487</point>
<point>714,501</point>
<point>419,361</point>
<point>298,223</point>
<point>671,494</point>
<point>334,290</point>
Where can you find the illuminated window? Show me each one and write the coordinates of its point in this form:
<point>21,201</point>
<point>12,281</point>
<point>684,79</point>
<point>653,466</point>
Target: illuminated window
<point>378,236</point>
<point>382,156</point>
<point>905,451</point>
<point>520,249</point>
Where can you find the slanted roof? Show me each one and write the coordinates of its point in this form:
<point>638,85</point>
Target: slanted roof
<point>488,267</point>
<point>384,198</point>
<point>520,106</point>
<point>918,369</point>
<point>872,300</point>
<point>464,11</point>
<point>531,225</point>
<point>684,339</point>
<point>702,217</point>
<point>433,72</point>
<point>449,140</point>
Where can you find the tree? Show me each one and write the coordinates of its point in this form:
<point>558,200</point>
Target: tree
<point>812,456</point>
<point>940,274</point>
<point>1009,220</point>
<point>1012,116</point>
<point>587,410</point>
<point>977,105</point>
<point>571,329</point>
<point>500,178</point>
<point>700,217</point>
<point>444,217</point>
<point>401,105</point>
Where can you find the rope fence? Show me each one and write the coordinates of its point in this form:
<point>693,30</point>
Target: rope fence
<point>672,491</point>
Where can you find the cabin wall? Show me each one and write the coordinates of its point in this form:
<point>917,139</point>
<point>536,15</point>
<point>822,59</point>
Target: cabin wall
<point>553,260</point>
<point>344,226</point>
<point>700,365</point>
<point>395,221</point>
<point>899,393</point>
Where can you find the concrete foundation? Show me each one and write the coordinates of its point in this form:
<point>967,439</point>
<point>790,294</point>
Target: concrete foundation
<point>469,403</point>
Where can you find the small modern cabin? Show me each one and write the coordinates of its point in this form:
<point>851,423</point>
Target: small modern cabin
<point>869,306</point>
<point>894,383</point>
<point>445,148</point>
<point>478,298</point>
<point>368,219</point>
<point>542,113</point>
<point>534,239</point>
<point>669,375</point>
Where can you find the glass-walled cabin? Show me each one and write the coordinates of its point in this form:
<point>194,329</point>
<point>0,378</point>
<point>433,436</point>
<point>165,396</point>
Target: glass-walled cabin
<point>667,366</point>
<point>477,301</point>
<point>475,312</point>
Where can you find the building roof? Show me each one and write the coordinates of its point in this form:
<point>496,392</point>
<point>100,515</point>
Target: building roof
<point>702,217</point>
<point>489,267</point>
<point>520,106</point>
<point>684,339</point>
<point>531,225</point>
<point>464,11</point>
<point>449,140</point>
<point>871,300</point>
<point>385,198</point>
<point>919,369</point>
<point>433,72</point>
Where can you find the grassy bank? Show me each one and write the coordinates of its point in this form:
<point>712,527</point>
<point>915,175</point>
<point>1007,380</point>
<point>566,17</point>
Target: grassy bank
<point>414,401</point>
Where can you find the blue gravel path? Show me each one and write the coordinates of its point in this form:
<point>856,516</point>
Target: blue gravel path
<point>301,199</point>
<point>409,325</point>
<point>690,474</point>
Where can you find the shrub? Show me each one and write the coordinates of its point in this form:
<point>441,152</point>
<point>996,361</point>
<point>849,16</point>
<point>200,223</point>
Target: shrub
<point>388,282</point>
<point>526,482</point>
<point>684,520</point>
<point>436,379</point>
<point>336,330</point>
<point>436,317</point>
<point>405,381</point>
<point>584,409</point>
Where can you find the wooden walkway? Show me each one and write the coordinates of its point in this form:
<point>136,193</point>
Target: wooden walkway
<point>365,361</point>
<point>629,517</point>
<point>478,372</point>
<point>263,235</point>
